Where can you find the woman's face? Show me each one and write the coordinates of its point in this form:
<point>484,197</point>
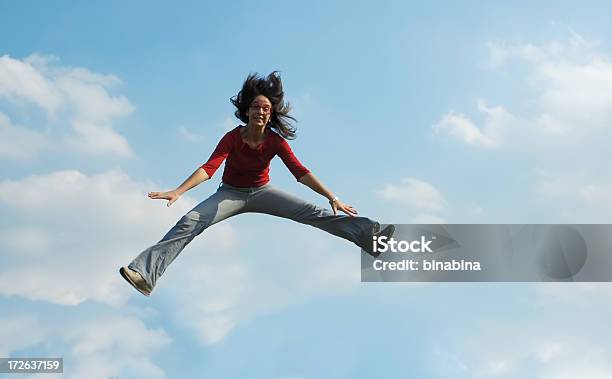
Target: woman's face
<point>260,111</point>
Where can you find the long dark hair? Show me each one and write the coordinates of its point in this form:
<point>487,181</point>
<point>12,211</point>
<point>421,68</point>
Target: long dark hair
<point>272,88</point>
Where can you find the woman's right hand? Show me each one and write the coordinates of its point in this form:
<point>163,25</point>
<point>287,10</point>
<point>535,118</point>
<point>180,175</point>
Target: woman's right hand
<point>171,196</point>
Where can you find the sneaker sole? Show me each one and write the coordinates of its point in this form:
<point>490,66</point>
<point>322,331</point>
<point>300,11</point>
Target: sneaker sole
<point>129,280</point>
<point>392,229</point>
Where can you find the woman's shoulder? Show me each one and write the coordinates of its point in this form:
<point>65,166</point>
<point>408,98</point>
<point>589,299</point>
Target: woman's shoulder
<point>233,133</point>
<point>275,136</point>
<point>279,143</point>
<point>230,137</point>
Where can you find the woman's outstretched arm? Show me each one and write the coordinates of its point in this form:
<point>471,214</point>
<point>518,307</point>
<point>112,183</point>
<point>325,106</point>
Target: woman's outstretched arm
<point>196,178</point>
<point>315,184</point>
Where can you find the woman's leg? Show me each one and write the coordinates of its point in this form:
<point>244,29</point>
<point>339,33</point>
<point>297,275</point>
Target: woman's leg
<point>270,200</point>
<point>153,261</point>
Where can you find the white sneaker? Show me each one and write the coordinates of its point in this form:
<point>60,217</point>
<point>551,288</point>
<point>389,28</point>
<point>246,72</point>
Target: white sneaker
<point>136,280</point>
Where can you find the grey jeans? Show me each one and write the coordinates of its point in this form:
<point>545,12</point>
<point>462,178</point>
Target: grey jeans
<point>229,201</point>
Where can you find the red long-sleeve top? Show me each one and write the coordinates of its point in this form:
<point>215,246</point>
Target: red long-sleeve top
<point>248,167</point>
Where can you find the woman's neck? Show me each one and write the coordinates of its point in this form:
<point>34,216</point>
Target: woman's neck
<point>254,132</point>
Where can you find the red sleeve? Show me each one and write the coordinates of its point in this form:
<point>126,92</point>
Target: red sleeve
<point>219,154</point>
<point>290,160</point>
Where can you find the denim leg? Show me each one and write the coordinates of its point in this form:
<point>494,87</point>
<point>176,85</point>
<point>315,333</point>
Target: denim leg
<point>153,261</point>
<point>272,201</point>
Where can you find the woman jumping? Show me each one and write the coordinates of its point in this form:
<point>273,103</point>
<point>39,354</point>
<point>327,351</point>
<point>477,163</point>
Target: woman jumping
<point>248,151</point>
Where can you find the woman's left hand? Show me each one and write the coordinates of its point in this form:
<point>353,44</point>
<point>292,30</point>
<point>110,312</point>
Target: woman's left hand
<point>339,205</point>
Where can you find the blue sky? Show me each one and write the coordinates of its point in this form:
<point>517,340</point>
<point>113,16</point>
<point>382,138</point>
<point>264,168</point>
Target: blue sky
<point>412,112</point>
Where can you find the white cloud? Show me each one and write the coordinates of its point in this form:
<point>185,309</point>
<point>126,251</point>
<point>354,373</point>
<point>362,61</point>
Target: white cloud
<point>19,143</point>
<point>414,193</point>
<point>88,93</point>
<point>19,332</point>
<point>24,240</point>
<point>190,136</point>
<point>428,219</point>
<point>20,80</point>
<point>85,228</point>
<point>208,305</point>
<point>216,292</point>
<point>575,48</point>
<point>94,139</point>
<point>575,98</point>
<point>114,347</point>
<point>70,96</point>
<point>572,91</point>
<point>500,128</point>
<point>565,336</point>
<point>461,127</point>
<point>580,199</point>
<point>574,294</point>
<point>97,348</point>
<point>541,350</point>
